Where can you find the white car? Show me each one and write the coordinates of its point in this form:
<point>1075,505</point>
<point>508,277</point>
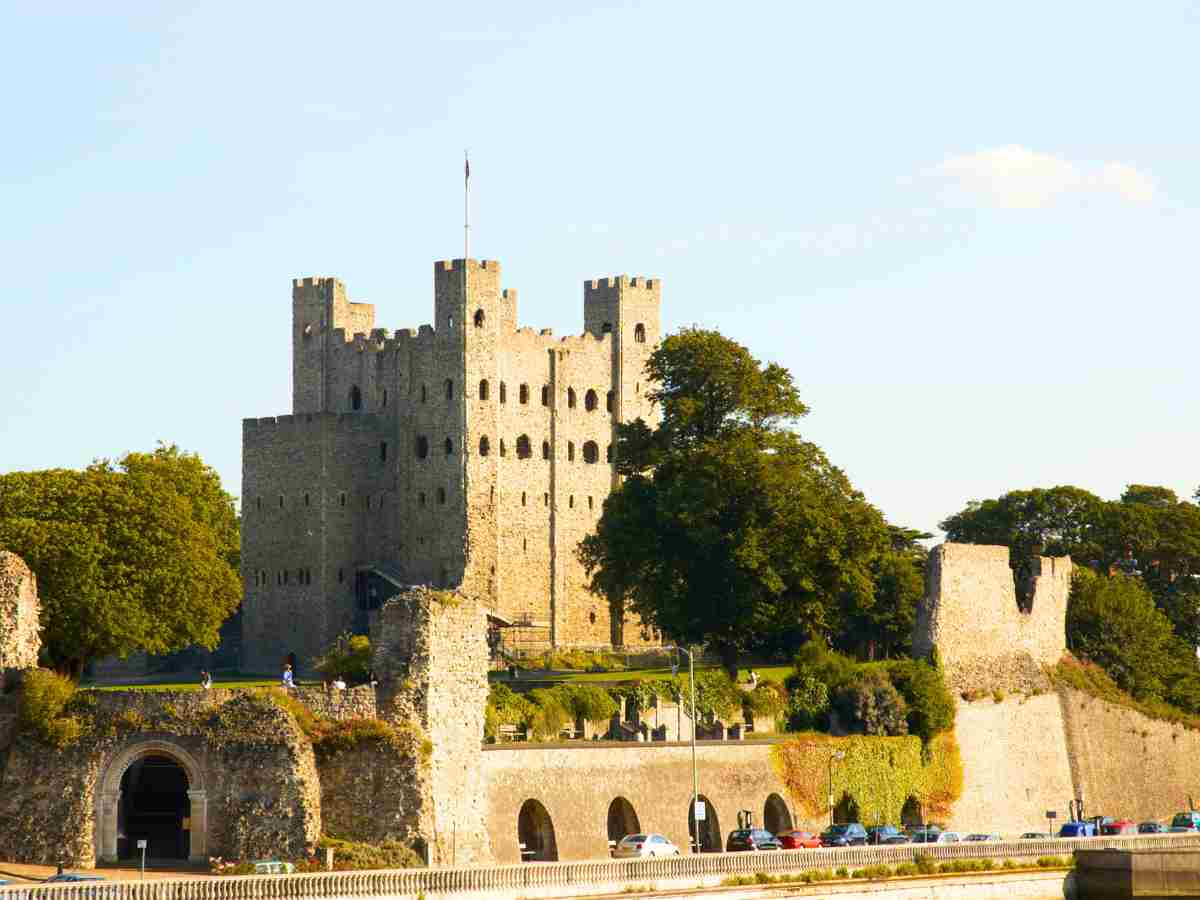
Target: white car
<point>988,838</point>
<point>636,846</point>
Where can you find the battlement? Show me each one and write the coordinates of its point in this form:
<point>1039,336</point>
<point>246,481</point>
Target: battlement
<point>607,288</point>
<point>971,616</point>
<point>449,265</point>
<point>313,281</point>
<point>303,420</point>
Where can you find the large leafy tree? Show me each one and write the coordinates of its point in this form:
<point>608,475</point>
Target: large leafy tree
<point>883,628</point>
<point>137,554</point>
<point>727,525</point>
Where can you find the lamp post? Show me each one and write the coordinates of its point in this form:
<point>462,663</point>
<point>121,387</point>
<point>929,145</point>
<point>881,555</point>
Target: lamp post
<point>833,754</point>
<point>695,778</point>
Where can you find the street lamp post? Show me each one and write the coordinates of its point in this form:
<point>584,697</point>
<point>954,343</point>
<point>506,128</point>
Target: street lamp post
<point>833,754</point>
<point>695,779</point>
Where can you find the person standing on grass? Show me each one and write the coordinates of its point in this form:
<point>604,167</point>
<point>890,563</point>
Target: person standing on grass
<point>205,679</point>
<point>289,680</point>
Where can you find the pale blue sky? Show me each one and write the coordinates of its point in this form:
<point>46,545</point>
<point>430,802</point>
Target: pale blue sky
<point>969,232</point>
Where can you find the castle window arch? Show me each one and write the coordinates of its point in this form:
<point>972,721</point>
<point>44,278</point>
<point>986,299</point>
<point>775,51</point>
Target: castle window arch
<point>441,496</point>
<point>383,403</point>
<point>523,394</point>
<point>281,501</point>
<point>484,446</point>
<point>571,501</point>
<point>382,458</point>
<point>591,453</point>
<point>571,397</point>
<point>608,402</point>
<point>524,451</point>
<point>590,401</point>
<point>424,394</point>
<point>258,502</point>
<point>420,498</point>
<point>570,451</point>
<point>639,333</point>
<point>545,449</point>
<point>522,498</point>
<point>479,318</point>
<point>355,397</point>
<point>483,389</point>
<point>449,447</point>
<point>449,389</point>
<point>306,494</point>
<point>503,392</point>
<point>503,450</point>
<point>422,446</point>
<point>545,395</point>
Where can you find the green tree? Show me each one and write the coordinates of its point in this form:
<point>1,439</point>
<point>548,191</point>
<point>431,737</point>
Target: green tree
<point>883,629</point>
<point>140,554</point>
<point>727,525</point>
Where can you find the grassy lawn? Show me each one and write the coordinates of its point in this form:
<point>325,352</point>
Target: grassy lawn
<point>765,673</point>
<point>236,681</point>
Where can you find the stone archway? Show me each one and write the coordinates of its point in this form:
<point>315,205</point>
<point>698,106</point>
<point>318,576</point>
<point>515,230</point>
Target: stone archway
<point>535,833</point>
<point>108,797</point>
<point>710,828</point>
<point>846,810</point>
<point>910,815</point>
<point>777,818</point>
<point>622,819</point>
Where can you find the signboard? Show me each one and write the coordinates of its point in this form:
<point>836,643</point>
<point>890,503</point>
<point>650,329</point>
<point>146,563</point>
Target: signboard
<point>1051,814</point>
<point>141,845</point>
<point>700,813</point>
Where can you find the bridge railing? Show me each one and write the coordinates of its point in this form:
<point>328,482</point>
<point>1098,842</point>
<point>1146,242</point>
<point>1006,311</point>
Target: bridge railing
<point>532,876</point>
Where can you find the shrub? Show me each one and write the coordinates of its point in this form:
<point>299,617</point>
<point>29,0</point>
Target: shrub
<point>808,703</point>
<point>842,872</point>
<point>872,705</point>
<point>587,701</point>
<point>931,706</point>
<point>348,656</point>
<point>349,855</point>
<point>815,660</point>
<point>768,699</point>
<point>45,707</point>
<point>1011,864</point>
<point>549,713</point>
<point>907,869</point>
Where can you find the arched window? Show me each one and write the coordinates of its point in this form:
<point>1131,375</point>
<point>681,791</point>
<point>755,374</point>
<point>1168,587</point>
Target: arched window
<point>442,496</point>
<point>258,502</point>
<point>545,395</point>
<point>355,397</point>
<point>590,401</point>
<point>523,449</point>
<point>382,458</point>
<point>483,389</point>
<point>522,498</point>
<point>608,401</point>
<point>591,453</point>
<point>503,450</point>
<point>590,501</point>
<point>571,397</point>
<point>571,501</point>
<point>424,394</point>
<point>422,446</point>
<point>639,333</point>
<point>484,446</point>
<point>503,392</point>
<point>449,446</point>
<point>545,449</point>
<point>449,389</point>
<point>523,394</point>
<point>450,321</point>
<point>384,403</point>
<point>479,318</point>
<point>570,451</point>
<point>421,498</point>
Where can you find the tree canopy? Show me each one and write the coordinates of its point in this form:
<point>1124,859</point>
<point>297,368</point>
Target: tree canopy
<point>140,554</point>
<point>727,525</point>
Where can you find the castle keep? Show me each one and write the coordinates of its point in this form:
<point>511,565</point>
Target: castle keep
<point>469,453</point>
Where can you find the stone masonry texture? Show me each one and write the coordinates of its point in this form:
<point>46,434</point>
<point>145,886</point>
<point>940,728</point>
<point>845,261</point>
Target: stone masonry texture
<point>469,453</point>
<point>19,610</point>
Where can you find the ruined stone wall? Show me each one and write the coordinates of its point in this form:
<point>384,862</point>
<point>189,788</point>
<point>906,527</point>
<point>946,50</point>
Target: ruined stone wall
<point>970,615</point>
<point>577,785</point>
<point>357,702</point>
<point>369,794</point>
<point>20,641</point>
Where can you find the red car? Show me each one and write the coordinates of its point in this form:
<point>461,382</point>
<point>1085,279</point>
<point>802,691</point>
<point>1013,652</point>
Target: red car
<point>1121,826</point>
<point>794,840</point>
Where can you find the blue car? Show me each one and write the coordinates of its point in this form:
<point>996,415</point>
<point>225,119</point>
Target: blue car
<point>72,877</point>
<point>1077,830</point>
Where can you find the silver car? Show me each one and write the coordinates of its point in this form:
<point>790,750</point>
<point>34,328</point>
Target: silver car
<point>636,846</point>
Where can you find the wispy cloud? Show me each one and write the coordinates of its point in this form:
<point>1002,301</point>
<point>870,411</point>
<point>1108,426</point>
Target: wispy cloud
<point>1016,177</point>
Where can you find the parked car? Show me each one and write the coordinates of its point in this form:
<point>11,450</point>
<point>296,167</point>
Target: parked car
<point>1077,830</point>
<point>1100,821</point>
<point>1186,821</point>
<point>794,840</point>
<point>65,877</point>
<point>900,838</point>
<point>980,836</point>
<point>1121,826</point>
<point>850,834</point>
<point>878,834</point>
<point>1035,836</point>
<point>1152,828</point>
<point>273,867</point>
<point>929,836</point>
<point>751,839</point>
<point>633,846</point>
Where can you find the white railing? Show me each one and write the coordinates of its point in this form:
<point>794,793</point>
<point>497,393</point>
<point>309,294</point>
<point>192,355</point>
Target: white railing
<point>401,882</point>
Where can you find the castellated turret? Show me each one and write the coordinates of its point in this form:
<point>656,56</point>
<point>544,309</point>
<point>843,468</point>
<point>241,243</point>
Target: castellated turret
<point>469,453</point>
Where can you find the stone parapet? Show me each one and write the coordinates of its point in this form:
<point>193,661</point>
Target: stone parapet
<point>20,641</point>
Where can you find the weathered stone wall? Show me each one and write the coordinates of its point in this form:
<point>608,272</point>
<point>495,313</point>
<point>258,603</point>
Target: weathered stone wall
<point>970,615</point>
<point>577,785</point>
<point>357,702</point>
<point>20,641</point>
<point>469,453</point>
<point>370,793</point>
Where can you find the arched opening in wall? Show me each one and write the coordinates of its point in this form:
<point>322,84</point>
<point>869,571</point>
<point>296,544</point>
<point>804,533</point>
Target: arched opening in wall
<point>545,449</point>
<point>503,392</point>
<point>571,397</point>
<point>154,806</point>
<point>503,449</point>
<point>590,401</point>
<point>622,819</point>
<point>422,446</point>
<point>442,497</point>
<point>710,828</point>
<point>570,451</point>
<point>608,402</point>
<point>449,447</point>
<point>523,394</point>
<point>910,813</point>
<point>639,333</point>
<point>484,446</point>
<point>424,394</point>
<point>591,452</point>
<point>449,389</point>
<point>483,389</point>
<point>776,815</point>
<point>383,403</point>
<point>479,318</point>
<point>846,810</point>
<point>420,498</point>
<point>524,448</point>
<point>535,833</point>
<point>545,395</point>
<point>355,398</point>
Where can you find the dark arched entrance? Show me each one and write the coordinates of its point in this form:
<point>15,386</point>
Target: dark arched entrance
<point>846,810</point>
<point>154,808</point>
<point>777,818</point>
<point>710,828</point>
<point>622,819</point>
<point>535,833</point>
<point>910,815</point>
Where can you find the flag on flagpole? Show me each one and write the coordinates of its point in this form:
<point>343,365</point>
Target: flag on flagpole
<point>466,168</point>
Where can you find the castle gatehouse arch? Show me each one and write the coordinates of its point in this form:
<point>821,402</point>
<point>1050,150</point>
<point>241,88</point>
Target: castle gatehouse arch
<point>176,765</point>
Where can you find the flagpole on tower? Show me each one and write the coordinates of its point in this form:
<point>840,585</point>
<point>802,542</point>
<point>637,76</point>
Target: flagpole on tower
<point>466,206</point>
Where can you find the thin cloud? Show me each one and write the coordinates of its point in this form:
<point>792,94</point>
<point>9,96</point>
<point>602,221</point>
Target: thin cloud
<point>1015,177</point>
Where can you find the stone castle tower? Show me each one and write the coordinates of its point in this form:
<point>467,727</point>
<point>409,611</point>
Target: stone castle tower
<point>471,454</point>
